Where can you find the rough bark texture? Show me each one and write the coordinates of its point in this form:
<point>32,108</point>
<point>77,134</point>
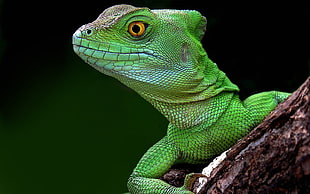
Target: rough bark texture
<point>274,157</point>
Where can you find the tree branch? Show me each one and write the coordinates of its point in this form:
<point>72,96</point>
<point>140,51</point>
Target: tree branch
<point>274,157</point>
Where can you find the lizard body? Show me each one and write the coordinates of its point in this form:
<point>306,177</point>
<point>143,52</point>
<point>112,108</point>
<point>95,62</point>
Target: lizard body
<point>158,54</point>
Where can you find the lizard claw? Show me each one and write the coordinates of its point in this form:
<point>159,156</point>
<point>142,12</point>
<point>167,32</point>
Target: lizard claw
<point>190,180</point>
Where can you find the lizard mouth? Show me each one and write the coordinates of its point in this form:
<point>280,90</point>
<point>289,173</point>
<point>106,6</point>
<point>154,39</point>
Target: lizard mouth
<point>107,60</point>
<point>108,57</point>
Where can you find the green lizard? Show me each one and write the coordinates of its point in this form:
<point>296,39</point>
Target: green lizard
<point>158,54</point>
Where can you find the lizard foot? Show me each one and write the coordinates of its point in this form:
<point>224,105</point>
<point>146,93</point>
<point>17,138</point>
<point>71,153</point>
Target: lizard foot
<point>191,180</point>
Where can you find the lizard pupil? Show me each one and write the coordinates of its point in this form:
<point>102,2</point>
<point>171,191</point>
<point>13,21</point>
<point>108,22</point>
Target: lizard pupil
<point>136,29</point>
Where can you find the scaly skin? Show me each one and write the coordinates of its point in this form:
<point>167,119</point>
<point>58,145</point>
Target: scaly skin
<point>158,54</point>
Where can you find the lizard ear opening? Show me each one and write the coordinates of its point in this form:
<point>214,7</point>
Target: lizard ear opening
<point>196,24</point>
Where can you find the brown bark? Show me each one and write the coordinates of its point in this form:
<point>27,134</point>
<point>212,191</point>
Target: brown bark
<point>274,157</point>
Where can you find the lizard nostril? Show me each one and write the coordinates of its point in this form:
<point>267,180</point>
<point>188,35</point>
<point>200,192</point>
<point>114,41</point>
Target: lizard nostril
<point>89,32</point>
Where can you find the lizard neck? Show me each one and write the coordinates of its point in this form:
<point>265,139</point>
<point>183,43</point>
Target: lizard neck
<point>191,108</point>
<point>189,114</point>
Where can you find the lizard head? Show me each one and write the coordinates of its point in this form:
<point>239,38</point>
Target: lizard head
<point>151,51</point>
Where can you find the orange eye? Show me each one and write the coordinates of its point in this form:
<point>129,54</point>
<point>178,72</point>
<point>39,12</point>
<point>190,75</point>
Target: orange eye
<point>136,28</point>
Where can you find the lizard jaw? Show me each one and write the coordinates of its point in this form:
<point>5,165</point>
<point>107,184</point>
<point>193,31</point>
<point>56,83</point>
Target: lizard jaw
<point>108,57</point>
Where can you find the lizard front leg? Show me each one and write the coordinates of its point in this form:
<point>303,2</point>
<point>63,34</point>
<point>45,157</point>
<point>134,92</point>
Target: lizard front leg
<point>154,163</point>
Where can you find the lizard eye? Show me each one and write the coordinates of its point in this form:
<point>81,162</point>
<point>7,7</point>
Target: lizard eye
<point>137,28</point>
